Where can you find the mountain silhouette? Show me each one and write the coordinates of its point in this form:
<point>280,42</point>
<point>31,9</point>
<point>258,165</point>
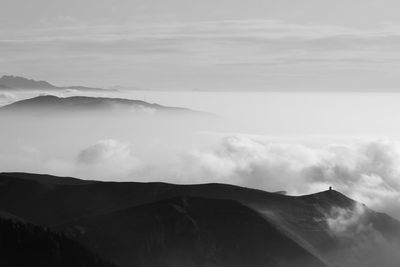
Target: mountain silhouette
<point>190,231</point>
<point>49,104</point>
<point>18,82</point>
<point>21,83</point>
<point>23,244</point>
<point>123,220</point>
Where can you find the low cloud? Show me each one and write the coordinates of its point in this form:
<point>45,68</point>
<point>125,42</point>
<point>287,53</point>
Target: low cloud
<point>345,56</point>
<point>6,98</point>
<point>107,158</point>
<point>367,171</point>
<point>343,221</point>
<point>361,243</point>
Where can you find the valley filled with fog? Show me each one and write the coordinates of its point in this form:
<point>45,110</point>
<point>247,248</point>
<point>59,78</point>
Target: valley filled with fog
<point>297,142</point>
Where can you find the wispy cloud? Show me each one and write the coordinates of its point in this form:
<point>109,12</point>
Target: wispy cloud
<point>232,44</point>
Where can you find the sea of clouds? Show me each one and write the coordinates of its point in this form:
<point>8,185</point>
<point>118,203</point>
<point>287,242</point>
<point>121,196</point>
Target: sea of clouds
<point>365,170</point>
<point>368,171</point>
<point>180,151</point>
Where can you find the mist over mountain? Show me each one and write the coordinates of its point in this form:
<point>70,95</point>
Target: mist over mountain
<point>159,224</point>
<point>214,133</point>
<point>18,82</point>
<point>10,82</point>
<point>49,104</point>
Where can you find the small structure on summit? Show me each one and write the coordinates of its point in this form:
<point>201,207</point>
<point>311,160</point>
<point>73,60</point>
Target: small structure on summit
<point>330,188</point>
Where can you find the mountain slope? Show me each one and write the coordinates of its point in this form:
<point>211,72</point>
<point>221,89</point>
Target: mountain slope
<point>24,244</point>
<point>327,224</point>
<point>190,232</point>
<point>354,235</point>
<point>57,201</point>
<point>49,104</point>
<point>22,83</point>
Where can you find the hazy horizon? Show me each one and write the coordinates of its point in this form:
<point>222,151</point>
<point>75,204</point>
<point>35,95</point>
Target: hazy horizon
<point>297,142</point>
<point>207,45</point>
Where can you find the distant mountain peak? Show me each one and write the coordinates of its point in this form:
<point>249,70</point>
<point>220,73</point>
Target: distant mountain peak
<point>49,104</point>
<point>15,77</point>
<point>19,82</point>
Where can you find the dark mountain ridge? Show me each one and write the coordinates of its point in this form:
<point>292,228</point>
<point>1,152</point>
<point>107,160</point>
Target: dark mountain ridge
<point>191,231</point>
<point>23,244</point>
<point>109,216</point>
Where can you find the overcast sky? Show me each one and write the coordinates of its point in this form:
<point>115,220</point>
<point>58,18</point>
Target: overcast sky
<point>206,45</point>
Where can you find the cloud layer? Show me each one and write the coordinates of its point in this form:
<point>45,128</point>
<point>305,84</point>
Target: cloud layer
<point>262,52</point>
<point>368,171</point>
<point>365,170</point>
<point>363,244</point>
<point>108,157</point>
<point>6,98</point>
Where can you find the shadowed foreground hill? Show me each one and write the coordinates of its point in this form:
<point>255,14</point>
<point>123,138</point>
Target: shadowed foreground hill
<point>23,244</point>
<point>111,218</point>
<point>190,232</point>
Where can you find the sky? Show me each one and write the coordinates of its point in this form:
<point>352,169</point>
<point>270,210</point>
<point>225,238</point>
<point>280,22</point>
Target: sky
<point>240,45</point>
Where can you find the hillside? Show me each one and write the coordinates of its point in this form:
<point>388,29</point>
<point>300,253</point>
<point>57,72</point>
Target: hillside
<point>328,225</point>
<point>187,231</point>
<point>23,244</point>
<point>21,83</point>
<point>17,82</point>
<point>49,104</point>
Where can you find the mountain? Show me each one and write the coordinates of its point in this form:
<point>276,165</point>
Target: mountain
<point>189,231</point>
<point>49,104</point>
<point>24,244</point>
<point>211,224</point>
<point>24,83</point>
<point>17,82</point>
<point>85,88</point>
